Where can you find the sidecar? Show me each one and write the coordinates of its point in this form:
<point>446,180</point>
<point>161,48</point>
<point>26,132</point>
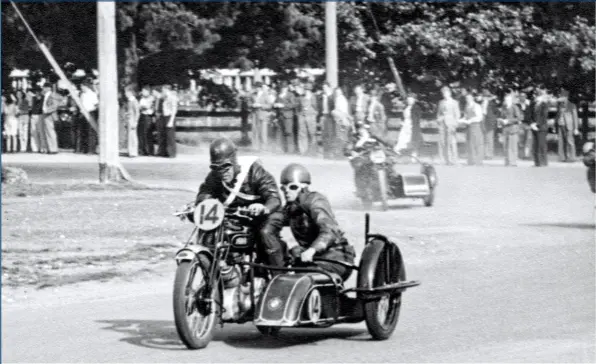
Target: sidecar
<point>312,297</point>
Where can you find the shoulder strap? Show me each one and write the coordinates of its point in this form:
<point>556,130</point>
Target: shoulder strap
<point>245,164</point>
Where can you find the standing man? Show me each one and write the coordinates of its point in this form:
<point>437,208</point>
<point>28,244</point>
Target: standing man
<point>261,113</point>
<point>525,143</point>
<point>144,128</point>
<point>489,109</point>
<point>307,122</point>
<point>90,102</point>
<point>568,127</point>
<point>133,114</point>
<point>168,126</point>
<point>376,116</point>
<point>23,108</point>
<point>38,142</point>
<point>540,128</point>
<point>286,104</point>
<point>510,118</point>
<point>473,116</point>
<point>359,104</point>
<point>50,106</point>
<point>324,106</point>
<point>448,115</point>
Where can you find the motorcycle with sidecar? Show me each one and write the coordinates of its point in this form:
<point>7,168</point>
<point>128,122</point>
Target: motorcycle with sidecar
<point>374,163</point>
<point>219,279</point>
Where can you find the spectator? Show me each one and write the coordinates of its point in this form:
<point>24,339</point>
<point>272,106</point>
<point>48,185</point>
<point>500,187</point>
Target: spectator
<point>324,106</point>
<point>489,109</point>
<point>567,126</point>
<point>510,117</point>
<point>525,142</point>
<point>133,114</point>
<point>411,127</point>
<point>448,116</point>
<point>144,127</point>
<point>376,116</point>
<point>38,141</point>
<point>540,128</point>
<point>472,117</point>
<point>167,127</point>
<point>342,121</point>
<point>359,104</point>
<point>23,108</point>
<point>11,123</point>
<point>307,122</point>
<point>261,105</point>
<point>90,103</point>
<point>286,104</point>
<point>49,108</point>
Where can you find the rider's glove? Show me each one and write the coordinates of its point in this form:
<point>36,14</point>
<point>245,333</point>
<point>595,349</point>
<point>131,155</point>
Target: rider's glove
<point>257,209</point>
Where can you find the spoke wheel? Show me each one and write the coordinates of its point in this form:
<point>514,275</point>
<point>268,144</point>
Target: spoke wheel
<point>195,316</point>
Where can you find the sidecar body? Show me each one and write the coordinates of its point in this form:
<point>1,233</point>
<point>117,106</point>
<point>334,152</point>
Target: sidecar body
<point>311,297</point>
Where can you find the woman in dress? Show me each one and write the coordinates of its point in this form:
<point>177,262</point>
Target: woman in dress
<point>11,123</point>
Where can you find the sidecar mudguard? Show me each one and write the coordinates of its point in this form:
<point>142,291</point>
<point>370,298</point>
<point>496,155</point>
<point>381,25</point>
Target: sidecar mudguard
<point>283,302</point>
<point>189,253</point>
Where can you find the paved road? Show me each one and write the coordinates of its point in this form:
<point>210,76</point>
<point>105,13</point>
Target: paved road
<point>506,258</point>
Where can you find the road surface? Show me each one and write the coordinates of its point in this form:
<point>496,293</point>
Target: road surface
<point>506,260</point>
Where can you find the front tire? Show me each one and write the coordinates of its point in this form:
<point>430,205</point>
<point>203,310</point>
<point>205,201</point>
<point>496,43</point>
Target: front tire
<point>195,329</point>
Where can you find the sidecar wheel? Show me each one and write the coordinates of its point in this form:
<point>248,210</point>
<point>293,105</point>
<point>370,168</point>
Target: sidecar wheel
<point>381,315</point>
<point>430,199</point>
<point>195,329</point>
<point>269,330</point>
<point>383,190</point>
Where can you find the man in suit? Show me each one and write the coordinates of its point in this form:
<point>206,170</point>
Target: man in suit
<point>261,104</point>
<point>448,116</point>
<point>49,108</point>
<point>568,127</point>
<point>376,116</point>
<point>307,122</point>
<point>489,125</point>
<point>525,142</point>
<point>286,104</point>
<point>540,128</point>
<point>324,107</point>
<point>90,102</point>
<point>359,104</point>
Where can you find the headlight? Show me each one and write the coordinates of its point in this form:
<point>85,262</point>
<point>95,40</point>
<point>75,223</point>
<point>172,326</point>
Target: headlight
<point>378,156</point>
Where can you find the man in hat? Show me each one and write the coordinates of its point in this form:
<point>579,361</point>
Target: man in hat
<point>540,128</point>
<point>307,122</point>
<point>567,127</point>
<point>242,181</point>
<point>286,104</point>
<point>49,109</point>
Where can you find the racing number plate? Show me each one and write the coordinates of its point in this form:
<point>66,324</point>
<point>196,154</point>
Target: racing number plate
<point>209,214</point>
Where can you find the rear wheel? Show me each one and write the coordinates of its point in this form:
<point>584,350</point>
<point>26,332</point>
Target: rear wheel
<point>381,315</point>
<point>195,321</point>
<point>382,174</point>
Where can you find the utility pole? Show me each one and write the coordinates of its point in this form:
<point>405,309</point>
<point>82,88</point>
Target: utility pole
<point>110,169</point>
<point>331,42</point>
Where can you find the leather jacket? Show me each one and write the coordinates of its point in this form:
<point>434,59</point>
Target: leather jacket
<point>258,183</point>
<point>313,223</point>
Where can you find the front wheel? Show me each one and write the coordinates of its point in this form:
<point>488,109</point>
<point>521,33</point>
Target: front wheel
<point>382,174</point>
<point>194,314</point>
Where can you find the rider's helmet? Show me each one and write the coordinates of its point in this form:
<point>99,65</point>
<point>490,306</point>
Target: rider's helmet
<point>222,151</point>
<point>295,173</point>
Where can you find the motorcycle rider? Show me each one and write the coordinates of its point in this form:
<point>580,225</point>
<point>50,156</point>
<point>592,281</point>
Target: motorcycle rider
<point>243,182</point>
<point>311,220</point>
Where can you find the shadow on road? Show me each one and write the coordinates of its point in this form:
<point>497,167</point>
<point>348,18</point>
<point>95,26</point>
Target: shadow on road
<point>162,335</point>
<point>565,225</point>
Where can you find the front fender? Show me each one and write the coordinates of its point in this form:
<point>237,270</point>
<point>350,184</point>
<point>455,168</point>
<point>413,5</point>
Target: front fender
<point>374,254</point>
<point>190,252</point>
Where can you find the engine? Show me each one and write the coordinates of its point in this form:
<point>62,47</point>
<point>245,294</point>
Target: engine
<point>236,294</point>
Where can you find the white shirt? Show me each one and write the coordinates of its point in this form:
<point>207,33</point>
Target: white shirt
<point>45,102</point>
<point>89,100</point>
<point>146,104</point>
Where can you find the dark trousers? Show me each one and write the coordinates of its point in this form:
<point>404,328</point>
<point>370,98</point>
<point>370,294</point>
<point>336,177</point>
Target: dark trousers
<point>286,122</point>
<point>92,135</point>
<point>171,142</point>
<point>145,135</point>
<point>566,144</point>
<point>162,137</point>
<point>539,148</point>
<point>270,248</point>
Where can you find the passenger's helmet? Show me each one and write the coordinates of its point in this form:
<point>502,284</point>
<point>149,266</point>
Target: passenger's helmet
<point>295,173</point>
<point>221,151</point>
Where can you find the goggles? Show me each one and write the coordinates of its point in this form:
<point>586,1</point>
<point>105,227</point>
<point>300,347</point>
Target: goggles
<point>221,167</point>
<point>291,187</point>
